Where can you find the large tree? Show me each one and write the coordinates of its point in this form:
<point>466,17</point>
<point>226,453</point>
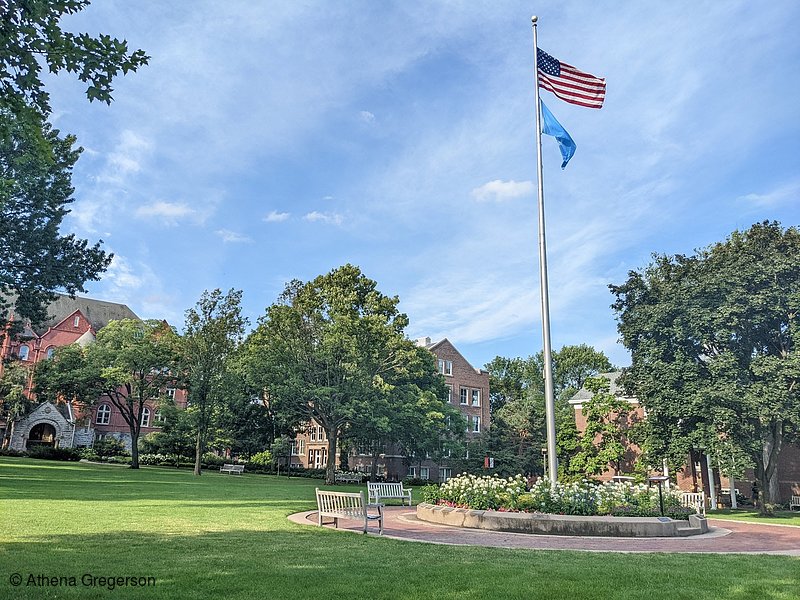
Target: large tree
<point>331,348</point>
<point>713,339</point>
<point>36,161</point>
<point>213,333</point>
<point>14,401</point>
<point>129,365</point>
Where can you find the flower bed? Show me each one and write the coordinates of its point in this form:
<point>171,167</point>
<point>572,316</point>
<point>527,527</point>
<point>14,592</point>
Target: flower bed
<point>585,498</point>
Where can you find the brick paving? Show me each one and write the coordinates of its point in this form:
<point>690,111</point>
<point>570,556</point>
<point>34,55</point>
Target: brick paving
<point>400,522</point>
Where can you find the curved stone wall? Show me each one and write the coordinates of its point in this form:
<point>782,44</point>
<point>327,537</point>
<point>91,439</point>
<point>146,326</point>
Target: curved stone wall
<point>549,524</point>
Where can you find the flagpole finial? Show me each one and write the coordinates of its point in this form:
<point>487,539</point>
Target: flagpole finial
<point>534,18</point>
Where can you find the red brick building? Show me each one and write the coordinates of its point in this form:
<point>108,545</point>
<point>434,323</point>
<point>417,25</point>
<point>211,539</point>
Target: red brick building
<point>468,391</point>
<point>73,321</point>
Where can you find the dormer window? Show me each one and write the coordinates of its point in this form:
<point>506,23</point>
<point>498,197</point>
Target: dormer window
<point>76,322</point>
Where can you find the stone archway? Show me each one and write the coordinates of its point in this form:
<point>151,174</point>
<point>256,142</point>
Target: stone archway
<point>41,434</point>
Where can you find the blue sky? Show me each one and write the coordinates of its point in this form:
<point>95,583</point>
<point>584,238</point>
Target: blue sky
<point>275,140</point>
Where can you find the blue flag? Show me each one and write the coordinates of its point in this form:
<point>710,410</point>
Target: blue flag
<point>552,127</point>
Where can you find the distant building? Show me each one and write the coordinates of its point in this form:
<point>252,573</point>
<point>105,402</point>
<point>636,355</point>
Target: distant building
<point>468,390</point>
<point>693,476</point>
<point>72,321</point>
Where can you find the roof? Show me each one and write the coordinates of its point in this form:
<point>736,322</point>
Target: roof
<point>99,312</point>
<point>426,343</point>
<point>583,394</point>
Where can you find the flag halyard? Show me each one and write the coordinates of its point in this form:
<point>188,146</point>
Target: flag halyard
<point>568,83</point>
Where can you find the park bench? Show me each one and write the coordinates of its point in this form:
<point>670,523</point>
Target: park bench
<point>696,501</point>
<point>342,477</point>
<point>346,505</point>
<point>232,469</point>
<point>795,501</point>
<point>376,491</point>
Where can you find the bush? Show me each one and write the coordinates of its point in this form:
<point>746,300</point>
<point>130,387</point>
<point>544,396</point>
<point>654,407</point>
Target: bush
<point>430,494</point>
<point>262,459</point>
<point>109,446</point>
<point>119,460</point>
<point>89,454</point>
<point>10,452</point>
<point>50,453</point>
<point>209,460</point>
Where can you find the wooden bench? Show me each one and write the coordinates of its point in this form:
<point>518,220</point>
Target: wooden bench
<point>343,477</point>
<point>232,469</point>
<point>376,491</point>
<point>795,501</point>
<point>696,501</point>
<point>347,505</point>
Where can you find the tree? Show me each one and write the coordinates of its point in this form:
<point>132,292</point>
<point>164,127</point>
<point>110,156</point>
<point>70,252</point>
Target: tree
<point>31,37</point>
<point>214,330</point>
<point>129,364</point>
<point>605,439</point>
<point>35,188</point>
<point>573,365</point>
<point>35,162</point>
<point>14,402</point>
<point>713,339</point>
<point>331,348</point>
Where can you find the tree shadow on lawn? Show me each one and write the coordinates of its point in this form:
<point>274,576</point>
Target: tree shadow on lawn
<point>302,562</point>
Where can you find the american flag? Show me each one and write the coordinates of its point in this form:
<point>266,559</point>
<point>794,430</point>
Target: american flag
<point>568,83</point>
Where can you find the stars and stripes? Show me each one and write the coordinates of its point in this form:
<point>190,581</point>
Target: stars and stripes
<point>568,83</point>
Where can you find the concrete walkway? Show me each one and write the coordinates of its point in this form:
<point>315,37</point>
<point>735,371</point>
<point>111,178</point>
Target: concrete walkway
<point>400,522</point>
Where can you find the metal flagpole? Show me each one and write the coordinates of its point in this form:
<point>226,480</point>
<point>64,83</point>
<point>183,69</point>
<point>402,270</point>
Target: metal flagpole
<point>549,400</point>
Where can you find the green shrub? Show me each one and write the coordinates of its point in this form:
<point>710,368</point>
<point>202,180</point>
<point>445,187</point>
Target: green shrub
<point>50,453</point>
<point>262,459</point>
<point>430,494</point>
<point>209,459</point>
<point>10,452</point>
<point>120,460</point>
<point>109,446</point>
<point>89,454</point>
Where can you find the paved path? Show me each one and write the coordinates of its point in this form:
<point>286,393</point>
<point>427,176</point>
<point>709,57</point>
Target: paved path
<point>400,522</point>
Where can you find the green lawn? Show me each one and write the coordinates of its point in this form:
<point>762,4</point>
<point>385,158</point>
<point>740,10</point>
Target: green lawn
<point>222,536</point>
<point>783,517</point>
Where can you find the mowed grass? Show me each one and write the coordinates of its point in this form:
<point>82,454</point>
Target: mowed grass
<point>221,536</point>
<point>780,517</point>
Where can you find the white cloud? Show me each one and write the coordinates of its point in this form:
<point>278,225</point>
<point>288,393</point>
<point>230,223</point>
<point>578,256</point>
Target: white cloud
<point>316,216</point>
<point>169,212</point>
<point>276,217</point>
<point>787,192</point>
<point>499,191</point>
<point>232,237</point>
<point>367,116</point>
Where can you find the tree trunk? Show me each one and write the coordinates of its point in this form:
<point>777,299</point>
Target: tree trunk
<point>373,469</point>
<point>198,452</point>
<point>330,469</point>
<point>134,448</point>
<point>767,467</point>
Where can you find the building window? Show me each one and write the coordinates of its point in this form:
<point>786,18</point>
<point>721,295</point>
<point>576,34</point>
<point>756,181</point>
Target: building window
<point>103,414</point>
<point>476,397</point>
<point>424,473</point>
<point>445,473</point>
<point>145,417</point>
<point>50,351</point>
<point>476,424</point>
<point>171,393</point>
<point>464,395</point>
<point>158,418</point>
<point>412,472</point>
<point>23,352</point>
<point>445,367</point>
<point>298,447</point>
<point>449,393</point>
<point>76,322</point>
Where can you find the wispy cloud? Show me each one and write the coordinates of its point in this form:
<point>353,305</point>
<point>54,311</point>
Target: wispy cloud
<point>366,116</point>
<point>331,218</point>
<point>165,212</point>
<point>232,237</point>
<point>499,191</point>
<point>276,217</point>
<point>783,193</point>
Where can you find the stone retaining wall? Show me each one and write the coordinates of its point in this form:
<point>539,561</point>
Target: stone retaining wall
<point>549,524</point>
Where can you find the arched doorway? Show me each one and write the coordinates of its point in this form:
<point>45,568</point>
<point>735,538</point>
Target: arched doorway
<point>42,434</point>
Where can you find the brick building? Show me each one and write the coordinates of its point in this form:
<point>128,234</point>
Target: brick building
<point>468,390</point>
<point>73,321</point>
<point>694,475</point>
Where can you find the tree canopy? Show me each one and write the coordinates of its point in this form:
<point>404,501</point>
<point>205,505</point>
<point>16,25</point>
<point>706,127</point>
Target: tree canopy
<point>713,339</point>
<point>333,350</point>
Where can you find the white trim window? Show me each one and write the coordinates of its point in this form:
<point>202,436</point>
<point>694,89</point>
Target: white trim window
<point>412,471</point>
<point>298,447</point>
<point>145,417</point>
<point>425,473</point>
<point>476,424</point>
<point>463,394</point>
<point>50,351</point>
<point>158,418</point>
<point>170,393</point>
<point>77,321</point>
<point>23,352</point>
<point>103,414</point>
<point>445,367</point>
<point>476,397</point>
<point>445,473</point>
<point>449,393</point>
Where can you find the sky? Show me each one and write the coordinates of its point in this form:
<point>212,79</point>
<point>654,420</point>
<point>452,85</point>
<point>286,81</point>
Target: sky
<point>268,141</point>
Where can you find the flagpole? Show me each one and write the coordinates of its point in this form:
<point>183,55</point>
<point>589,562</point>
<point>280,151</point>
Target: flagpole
<point>547,351</point>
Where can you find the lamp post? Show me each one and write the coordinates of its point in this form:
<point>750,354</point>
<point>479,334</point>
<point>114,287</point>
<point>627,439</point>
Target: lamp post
<point>659,479</point>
